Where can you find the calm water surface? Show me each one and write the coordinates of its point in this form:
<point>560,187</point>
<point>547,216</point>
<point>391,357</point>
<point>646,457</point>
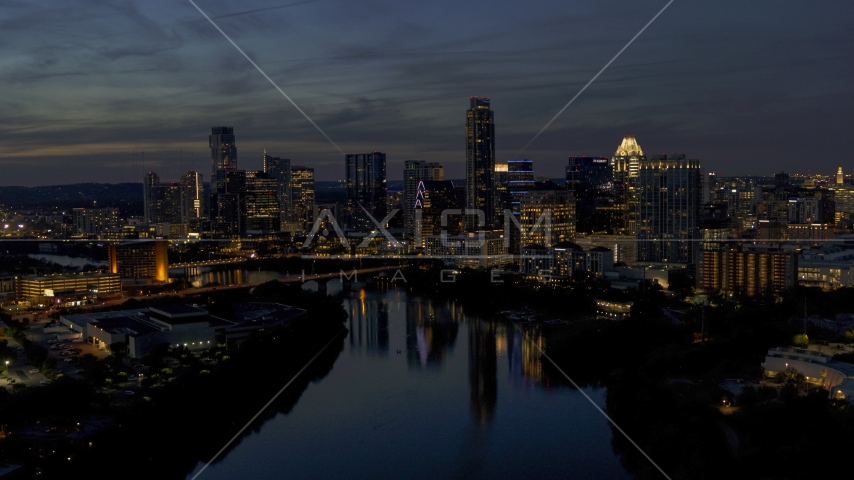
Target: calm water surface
<point>200,277</point>
<point>422,390</point>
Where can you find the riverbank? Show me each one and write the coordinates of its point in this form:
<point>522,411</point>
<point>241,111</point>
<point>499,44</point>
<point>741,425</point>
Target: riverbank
<point>190,408</point>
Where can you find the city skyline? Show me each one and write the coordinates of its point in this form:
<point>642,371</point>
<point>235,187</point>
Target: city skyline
<point>137,79</point>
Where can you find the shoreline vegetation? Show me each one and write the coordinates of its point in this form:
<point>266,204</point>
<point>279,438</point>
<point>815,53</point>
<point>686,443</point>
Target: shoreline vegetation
<point>663,369</point>
<point>188,406</point>
<point>664,377</point>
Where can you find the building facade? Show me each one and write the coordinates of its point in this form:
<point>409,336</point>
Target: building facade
<point>366,189</point>
<point>480,164</point>
<point>415,173</point>
<point>143,259</point>
<point>625,167</point>
<point>223,153</point>
<point>740,270</point>
<point>591,181</point>
<point>670,193</point>
<point>94,221</point>
<point>302,197</point>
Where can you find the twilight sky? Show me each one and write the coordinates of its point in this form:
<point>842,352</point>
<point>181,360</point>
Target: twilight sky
<point>747,87</point>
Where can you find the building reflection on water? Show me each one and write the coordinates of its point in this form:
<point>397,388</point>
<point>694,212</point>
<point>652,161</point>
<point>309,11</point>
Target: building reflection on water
<point>368,325</point>
<point>432,329</point>
<point>525,364</point>
<point>431,332</point>
<point>483,369</point>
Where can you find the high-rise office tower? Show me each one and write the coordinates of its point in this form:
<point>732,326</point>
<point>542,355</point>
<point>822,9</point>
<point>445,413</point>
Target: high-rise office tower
<point>366,189</point>
<point>263,213</point>
<point>670,196</point>
<point>625,165</point>
<point>302,196</point>
<point>279,169</point>
<point>547,197</point>
<point>518,180</point>
<point>223,154</point>
<point>195,194</point>
<point>501,171</point>
<point>590,180</point>
<point>480,164</point>
<point>149,180</point>
<point>437,197</point>
<point>840,178</point>
<point>228,207</point>
<point>415,172</point>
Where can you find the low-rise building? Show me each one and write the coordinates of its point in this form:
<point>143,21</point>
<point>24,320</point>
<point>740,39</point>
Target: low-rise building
<point>655,272</point>
<point>818,369</point>
<point>67,290</point>
<point>828,267</point>
<point>607,309</point>
<point>141,330</point>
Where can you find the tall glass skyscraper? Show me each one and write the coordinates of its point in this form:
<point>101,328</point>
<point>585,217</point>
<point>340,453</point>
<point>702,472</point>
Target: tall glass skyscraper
<point>366,189</point>
<point>279,169</point>
<point>590,180</point>
<point>625,165</point>
<point>480,164</point>
<point>223,155</point>
<point>670,201</point>
<point>302,196</point>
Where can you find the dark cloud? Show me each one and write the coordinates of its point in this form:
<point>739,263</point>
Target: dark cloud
<point>747,87</point>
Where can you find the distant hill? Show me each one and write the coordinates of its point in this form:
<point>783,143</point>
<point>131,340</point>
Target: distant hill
<point>126,196</point>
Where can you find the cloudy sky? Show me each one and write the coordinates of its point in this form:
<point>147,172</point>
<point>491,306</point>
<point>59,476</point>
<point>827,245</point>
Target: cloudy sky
<point>748,87</point>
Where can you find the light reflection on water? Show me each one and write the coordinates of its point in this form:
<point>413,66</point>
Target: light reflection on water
<point>424,390</point>
<point>206,276</point>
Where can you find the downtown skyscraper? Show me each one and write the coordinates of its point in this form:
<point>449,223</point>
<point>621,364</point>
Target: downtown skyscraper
<point>223,155</point>
<point>279,169</point>
<point>415,173</point>
<point>670,201</point>
<point>480,164</point>
<point>625,166</point>
<point>366,189</point>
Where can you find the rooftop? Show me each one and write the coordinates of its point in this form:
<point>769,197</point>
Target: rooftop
<point>176,311</point>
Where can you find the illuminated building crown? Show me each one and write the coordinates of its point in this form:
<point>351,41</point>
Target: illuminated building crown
<point>629,147</point>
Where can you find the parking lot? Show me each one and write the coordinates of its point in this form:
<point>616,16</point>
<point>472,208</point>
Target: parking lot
<point>19,371</point>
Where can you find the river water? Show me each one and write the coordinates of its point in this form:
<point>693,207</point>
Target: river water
<point>424,391</point>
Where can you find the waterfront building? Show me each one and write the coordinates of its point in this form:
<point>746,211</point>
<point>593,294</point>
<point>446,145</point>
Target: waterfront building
<point>142,259</point>
<point>480,164</point>
<point>473,250</point>
<point>67,290</point>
